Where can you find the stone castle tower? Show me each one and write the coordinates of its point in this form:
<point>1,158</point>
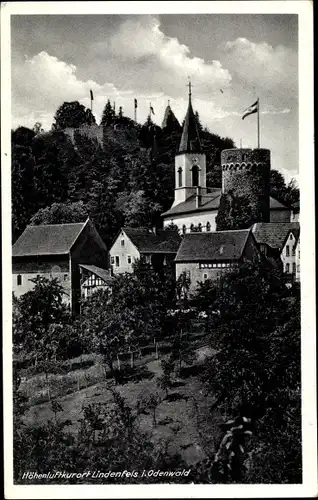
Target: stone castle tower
<point>246,172</point>
<point>190,161</point>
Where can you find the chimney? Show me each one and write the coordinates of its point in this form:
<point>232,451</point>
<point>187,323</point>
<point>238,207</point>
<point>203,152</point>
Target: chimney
<point>197,198</point>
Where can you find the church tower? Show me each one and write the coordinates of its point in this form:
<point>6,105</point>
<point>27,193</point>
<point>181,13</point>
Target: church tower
<point>190,161</point>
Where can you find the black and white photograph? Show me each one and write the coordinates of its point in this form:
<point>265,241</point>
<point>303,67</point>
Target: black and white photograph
<point>158,236</point>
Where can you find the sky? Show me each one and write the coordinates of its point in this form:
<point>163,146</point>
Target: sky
<point>230,59</point>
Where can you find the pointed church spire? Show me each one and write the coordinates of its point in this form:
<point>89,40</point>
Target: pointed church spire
<point>190,140</point>
<point>169,119</point>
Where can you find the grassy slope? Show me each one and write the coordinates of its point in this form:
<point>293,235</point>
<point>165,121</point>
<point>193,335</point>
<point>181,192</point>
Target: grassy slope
<point>189,430</point>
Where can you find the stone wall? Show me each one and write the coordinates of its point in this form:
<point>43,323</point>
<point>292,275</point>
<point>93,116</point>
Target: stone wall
<point>245,172</point>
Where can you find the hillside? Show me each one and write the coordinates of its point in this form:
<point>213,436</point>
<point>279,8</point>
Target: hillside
<point>130,180</point>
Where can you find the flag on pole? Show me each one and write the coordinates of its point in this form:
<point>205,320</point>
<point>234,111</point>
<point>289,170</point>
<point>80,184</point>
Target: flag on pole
<point>249,111</point>
<point>92,97</point>
<point>151,110</point>
<point>136,105</point>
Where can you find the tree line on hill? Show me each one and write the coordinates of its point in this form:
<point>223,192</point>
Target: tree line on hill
<point>128,181</point>
<point>254,374</point>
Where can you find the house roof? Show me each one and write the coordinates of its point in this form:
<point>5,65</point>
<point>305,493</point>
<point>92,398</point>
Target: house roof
<point>211,201</point>
<point>146,241</point>
<point>273,234</point>
<point>215,246</point>
<point>50,239</point>
<point>296,232</point>
<point>190,139</point>
<point>104,274</point>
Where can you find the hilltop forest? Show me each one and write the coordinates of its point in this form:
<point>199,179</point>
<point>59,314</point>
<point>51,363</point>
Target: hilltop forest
<point>129,181</point>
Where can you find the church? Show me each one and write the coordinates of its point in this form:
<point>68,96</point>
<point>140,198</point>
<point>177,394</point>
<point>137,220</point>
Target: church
<point>244,172</point>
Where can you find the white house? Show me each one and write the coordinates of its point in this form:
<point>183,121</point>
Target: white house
<point>290,254</point>
<point>155,247</point>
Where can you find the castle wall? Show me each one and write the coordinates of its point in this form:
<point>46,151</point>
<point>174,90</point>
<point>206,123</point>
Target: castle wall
<point>246,172</point>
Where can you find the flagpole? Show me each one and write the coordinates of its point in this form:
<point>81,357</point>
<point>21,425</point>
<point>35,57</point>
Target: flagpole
<point>258,135</point>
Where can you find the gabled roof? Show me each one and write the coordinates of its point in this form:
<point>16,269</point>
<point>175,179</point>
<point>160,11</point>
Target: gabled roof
<point>218,246</point>
<point>190,140</point>
<point>169,118</point>
<point>49,239</point>
<point>296,233</point>
<point>104,274</point>
<point>210,201</point>
<point>146,241</point>
<point>273,234</point>
<point>277,205</point>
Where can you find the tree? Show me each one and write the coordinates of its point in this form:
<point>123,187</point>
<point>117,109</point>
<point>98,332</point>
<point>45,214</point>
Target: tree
<point>138,210</point>
<point>72,114</point>
<point>164,381</point>
<point>256,371</point>
<point>236,212</point>
<point>40,320</point>
<point>22,136</point>
<point>285,193</point>
<point>108,115</point>
<point>198,122</point>
<point>60,213</point>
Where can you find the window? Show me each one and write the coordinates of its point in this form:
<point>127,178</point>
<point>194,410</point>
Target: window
<point>122,243</point>
<point>293,251</point>
<point>129,259</point>
<point>112,260</point>
<point>287,268</point>
<point>298,268</point>
<point>208,226</point>
<point>294,267</point>
<point>117,261</point>
<point>200,227</point>
<point>205,276</point>
<point>191,228</point>
<point>19,280</point>
<point>65,277</point>
<point>184,229</point>
<point>291,237</point>
<point>180,177</point>
<point>287,251</point>
<point>195,176</point>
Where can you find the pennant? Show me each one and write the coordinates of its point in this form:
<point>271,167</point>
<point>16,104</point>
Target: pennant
<point>92,97</point>
<point>249,111</point>
<point>136,105</point>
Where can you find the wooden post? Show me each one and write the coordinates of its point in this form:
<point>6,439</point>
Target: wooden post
<point>132,359</point>
<point>48,387</point>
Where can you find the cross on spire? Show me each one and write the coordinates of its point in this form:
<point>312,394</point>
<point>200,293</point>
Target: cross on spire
<point>190,87</point>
